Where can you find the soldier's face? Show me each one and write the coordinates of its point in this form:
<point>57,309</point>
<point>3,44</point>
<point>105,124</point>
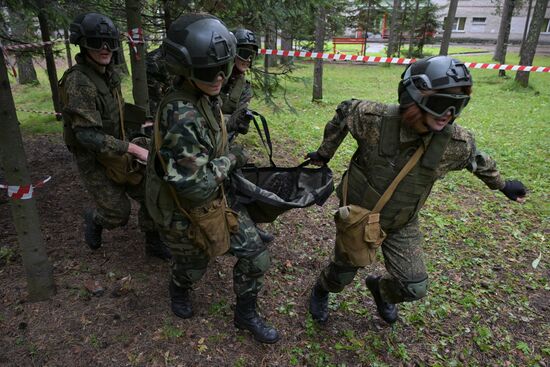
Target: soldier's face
<point>102,57</point>
<point>434,123</point>
<point>242,65</point>
<point>211,89</point>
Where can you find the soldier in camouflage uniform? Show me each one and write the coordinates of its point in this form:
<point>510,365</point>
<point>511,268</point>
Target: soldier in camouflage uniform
<point>237,93</point>
<point>92,100</point>
<point>432,93</point>
<point>192,142</point>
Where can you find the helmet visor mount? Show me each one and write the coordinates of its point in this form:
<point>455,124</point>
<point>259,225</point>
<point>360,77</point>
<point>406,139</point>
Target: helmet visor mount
<point>209,75</point>
<point>98,43</point>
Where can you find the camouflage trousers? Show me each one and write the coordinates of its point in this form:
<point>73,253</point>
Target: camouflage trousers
<point>111,199</point>
<point>189,263</point>
<point>406,278</point>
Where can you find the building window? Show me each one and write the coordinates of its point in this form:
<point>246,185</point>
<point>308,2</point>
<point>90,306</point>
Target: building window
<point>458,24</point>
<point>477,21</point>
<point>546,25</point>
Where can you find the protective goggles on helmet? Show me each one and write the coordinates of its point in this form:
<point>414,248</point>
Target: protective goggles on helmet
<point>209,75</point>
<point>440,104</point>
<point>246,54</point>
<point>96,43</point>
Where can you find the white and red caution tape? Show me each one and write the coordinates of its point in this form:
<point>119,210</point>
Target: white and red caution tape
<point>24,46</point>
<point>135,37</point>
<point>9,65</point>
<point>23,192</point>
<point>39,112</point>
<point>395,60</point>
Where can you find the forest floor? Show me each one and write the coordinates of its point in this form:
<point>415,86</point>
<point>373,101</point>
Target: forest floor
<point>485,308</point>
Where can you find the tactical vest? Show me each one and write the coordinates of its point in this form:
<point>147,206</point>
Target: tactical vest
<point>107,103</point>
<point>232,98</point>
<point>370,175</point>
<point>159,200</point>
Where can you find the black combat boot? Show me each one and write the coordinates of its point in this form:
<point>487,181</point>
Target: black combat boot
<point>318,304</point>
<point>180,301</point>
<point>92,230</point>
<point>246,318</point>
<point>387,311</point>
<point>155,247</point>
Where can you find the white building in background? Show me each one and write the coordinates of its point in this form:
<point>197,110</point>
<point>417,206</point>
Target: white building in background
<point>477,20</point>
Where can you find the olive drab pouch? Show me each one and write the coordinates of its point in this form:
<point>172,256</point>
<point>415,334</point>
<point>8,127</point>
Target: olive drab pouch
<point>358,234</point>
<point>212,225</point>
<point>125,169</point>
<point>358,230</point>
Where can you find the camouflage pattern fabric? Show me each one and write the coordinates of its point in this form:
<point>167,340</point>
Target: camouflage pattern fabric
<point>189,263</point>
<point>402,248</point>
<point>237,85</point>
<point>98,131</point>
<point>403,259</point>
<point>112,203</point>
<point>189,147</point>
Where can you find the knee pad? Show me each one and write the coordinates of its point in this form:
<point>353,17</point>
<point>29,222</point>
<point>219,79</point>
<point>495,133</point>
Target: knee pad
<point>416,290</point>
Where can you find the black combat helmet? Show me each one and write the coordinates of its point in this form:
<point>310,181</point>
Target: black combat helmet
<point>247,47</point>
<point>426,80</point>
<point>199,47</point>
<point>94,31</point>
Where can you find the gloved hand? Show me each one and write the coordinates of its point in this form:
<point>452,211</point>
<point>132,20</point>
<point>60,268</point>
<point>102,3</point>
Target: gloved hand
<point>240,121</point>
<point>317,159</point>
<point>238,156</point>
<point>514,190</point>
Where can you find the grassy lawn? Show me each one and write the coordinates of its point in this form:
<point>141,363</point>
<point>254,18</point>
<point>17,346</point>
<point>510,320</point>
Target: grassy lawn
<point>479,246</point>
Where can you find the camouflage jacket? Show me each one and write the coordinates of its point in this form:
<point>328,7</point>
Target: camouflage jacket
<point>90,107</point>
<point>193,146</point>
<point>236,93</point>
<point>363,119</point>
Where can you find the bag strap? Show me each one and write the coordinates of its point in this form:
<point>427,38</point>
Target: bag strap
<point>267,142</point>
<point>121,113</point>
<point>390,190</point>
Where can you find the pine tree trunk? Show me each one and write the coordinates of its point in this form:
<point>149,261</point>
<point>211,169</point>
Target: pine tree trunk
<point>137,62</point>
<point>167,14</point>
<point>530,46</point>
<point>286,44</point>
<point>38,269</point>
<point>48,54</point>
<point>319,47</point>
<point>25,67</point>
<point>504,33</point>
<point>122,67</point>
<point>413,29</point>
<point>448,29</point>
<point>394,28</point>
<point>526,28</point>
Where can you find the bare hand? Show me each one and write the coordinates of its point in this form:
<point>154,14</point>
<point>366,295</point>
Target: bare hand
<point>138,152</point>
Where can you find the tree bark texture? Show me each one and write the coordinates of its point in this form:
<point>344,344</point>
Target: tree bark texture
<point>26,73</point>
<point>526,28</point>
<point>394,28</point>
<point>48,54</point>
<point>413,29</point>
<point>319,47</point>
<point>448,28</point>
<point>529,48</point>
<point>38,269</point>
<point>137,61</point>
<point>504,33</point>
